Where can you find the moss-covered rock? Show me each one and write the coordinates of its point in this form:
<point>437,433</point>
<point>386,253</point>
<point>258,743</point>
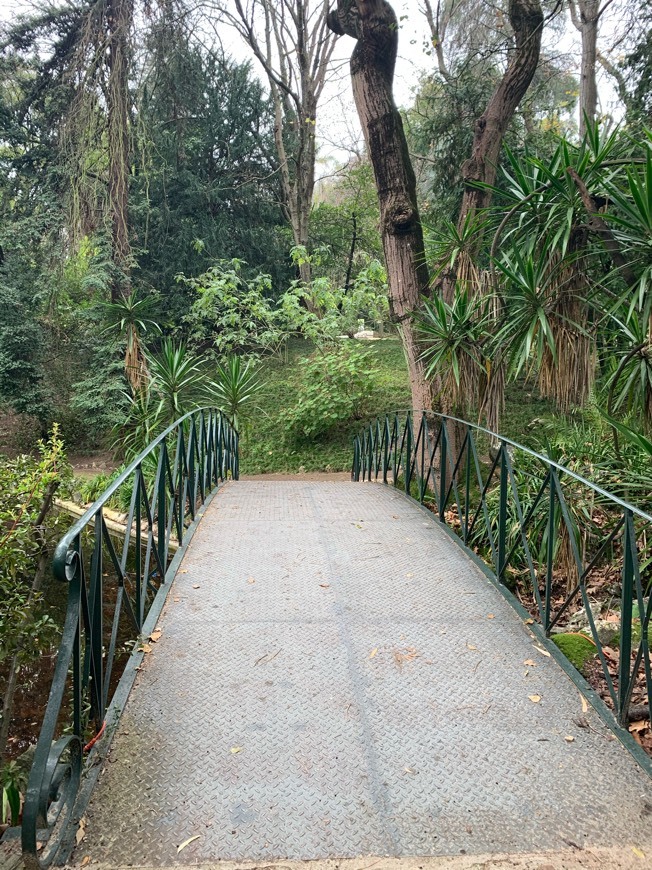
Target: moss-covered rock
<point>577,648</point>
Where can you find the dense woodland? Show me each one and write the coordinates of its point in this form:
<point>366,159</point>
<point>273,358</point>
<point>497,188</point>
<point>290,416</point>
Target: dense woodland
<point>166,242</point>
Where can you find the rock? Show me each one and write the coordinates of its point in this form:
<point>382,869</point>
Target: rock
<point>366,335</point>
<point>580,619</point>
<point>606,631</point>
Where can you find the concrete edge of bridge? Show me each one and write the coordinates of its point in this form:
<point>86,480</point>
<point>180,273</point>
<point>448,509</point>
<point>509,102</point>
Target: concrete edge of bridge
<point>620,858</point>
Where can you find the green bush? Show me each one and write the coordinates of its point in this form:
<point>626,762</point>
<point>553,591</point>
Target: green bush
<point>336,387</point>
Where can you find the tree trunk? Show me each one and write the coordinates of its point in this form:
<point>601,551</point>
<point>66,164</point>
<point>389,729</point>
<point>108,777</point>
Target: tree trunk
<point>374,25</point>
<point>589,16</point>
<point>526,19</point>
<point>119,17</point>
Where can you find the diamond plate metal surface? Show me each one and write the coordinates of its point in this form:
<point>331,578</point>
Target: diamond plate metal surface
<point>329,683</point>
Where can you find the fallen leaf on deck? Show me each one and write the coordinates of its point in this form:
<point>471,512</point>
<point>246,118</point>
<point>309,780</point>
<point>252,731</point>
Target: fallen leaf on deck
<point>544,652</point>
<point>81,830</point>
<point>638,852</point>
<point>490,616</point>
<point>373,652</point>
<point>470,646</point>
<point>155,635</point>
<point>569,739</point>
<point>235,750</point>
<point>177,598</point>
<point>187,843</point>
<point>250,580</point>
<point>145,648</point>
<point>325,585</point>
<point>410,770</point>
<point>530,663</point>
<point>534,698</point>
<point>529,622</point>
<point>195,585</point>
<point>585,704</point>
<point>87,860</point>
<point>184,571</point>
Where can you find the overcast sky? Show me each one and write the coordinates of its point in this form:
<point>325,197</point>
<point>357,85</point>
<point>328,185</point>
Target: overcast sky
<point>337,119</point>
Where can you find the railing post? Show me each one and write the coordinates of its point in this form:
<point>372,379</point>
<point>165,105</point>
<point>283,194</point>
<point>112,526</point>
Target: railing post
<point>550,551</point>
<point>161,505</point>
<point>443,462</point>
<point>386,449</point>
<point>94,642</point>
<point>626,612</point>
<point>408,452</point>
<point>502,514</point>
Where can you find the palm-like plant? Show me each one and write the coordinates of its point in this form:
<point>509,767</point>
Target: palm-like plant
<point>176,378</point>
<point>128,318</point>
<point>453,335</point>
<point>233,387</point>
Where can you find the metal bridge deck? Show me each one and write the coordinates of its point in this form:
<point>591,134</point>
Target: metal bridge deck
<point>335,677</point>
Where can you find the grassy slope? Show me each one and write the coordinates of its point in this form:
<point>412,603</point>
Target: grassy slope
<point>265,445</point>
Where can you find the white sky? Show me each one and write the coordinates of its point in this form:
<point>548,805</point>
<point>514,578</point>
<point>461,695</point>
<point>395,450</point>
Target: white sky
<point>337,123</point>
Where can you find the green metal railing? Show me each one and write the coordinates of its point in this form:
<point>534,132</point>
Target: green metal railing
<point>169,481</point>
<point>554,538</point>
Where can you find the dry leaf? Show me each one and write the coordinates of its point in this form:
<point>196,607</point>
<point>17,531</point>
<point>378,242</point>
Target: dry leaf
<point>638,852</point>
<point>155,635</point>
<point>585,704</point>
<point>183,571</point>
<point>325,585</point>
<point>525,673</point>
<point>235,750</point>
<point>195,585</point>
<point>410,770</point>
<point>470,646</point>
<point>569,739</point>
<point>373,652</point>
<point>145,648</point>
<point>490,616</point>
<point>250,580</point>
<point>641,725</point>
<point>176,598</point>
<point>534,698</point>
<point>87,860</point>
<point>410,574</point>
<point>81,830</point>
<point>187,842</point>
<point>530,663</point>
<point>544,652</point>
<point>529,622</point>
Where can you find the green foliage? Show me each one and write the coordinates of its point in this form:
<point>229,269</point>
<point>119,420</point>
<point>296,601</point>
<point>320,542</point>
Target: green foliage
<point>336,388</point>
<point>26,485</point>
<point>232,312</point>
<point>233,388</point>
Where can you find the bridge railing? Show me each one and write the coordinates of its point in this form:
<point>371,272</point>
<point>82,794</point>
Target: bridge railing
<point>557,541</point>
<point>113,581</point>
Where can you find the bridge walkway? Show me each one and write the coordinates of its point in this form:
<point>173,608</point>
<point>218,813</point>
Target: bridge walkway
<point>335,677</point>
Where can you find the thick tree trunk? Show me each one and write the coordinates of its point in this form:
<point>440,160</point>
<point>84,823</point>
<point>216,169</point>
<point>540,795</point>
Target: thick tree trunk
<point>119,17</point>
<point>586,20</point>
<point>374,25</point>
<point>526,19</point>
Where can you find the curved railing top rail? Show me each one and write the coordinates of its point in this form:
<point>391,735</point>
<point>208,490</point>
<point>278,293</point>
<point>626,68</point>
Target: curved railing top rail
<point>540,456</point>
<point>61,551</point>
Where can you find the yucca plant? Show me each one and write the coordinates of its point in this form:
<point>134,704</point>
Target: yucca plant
<point>453,336</point>
<point>235,385</point>
<point>176,379</point>
<point>127,319</point>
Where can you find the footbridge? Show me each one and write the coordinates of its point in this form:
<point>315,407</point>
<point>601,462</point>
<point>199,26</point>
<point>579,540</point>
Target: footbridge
<point>359,674</point>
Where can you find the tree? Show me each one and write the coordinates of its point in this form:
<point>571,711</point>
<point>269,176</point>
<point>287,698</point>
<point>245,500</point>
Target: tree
<point>292,44</point>
<point>374,25</point>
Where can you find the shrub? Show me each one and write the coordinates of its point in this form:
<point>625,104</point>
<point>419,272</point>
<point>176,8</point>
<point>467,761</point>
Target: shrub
<point>336,387</point>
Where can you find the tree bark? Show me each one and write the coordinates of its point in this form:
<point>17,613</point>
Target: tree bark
<point>119,15</point>
<point>526,19</point>
<point>586,16</point>
<point>374,25</point>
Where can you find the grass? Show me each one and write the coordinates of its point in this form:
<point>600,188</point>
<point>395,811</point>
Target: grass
<point>266,445</point>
